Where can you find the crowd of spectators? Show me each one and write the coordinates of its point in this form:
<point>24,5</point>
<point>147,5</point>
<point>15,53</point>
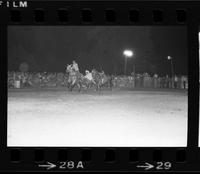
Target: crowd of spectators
<point>35,79</point>
<point>146,81</point>
<point>44,79</point>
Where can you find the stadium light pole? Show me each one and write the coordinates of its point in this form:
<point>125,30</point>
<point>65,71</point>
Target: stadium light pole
<point>172,66</point>
<point>127,54</point>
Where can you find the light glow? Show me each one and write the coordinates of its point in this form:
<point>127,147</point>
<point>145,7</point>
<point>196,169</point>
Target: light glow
<point>128,53</point>
<point>169,57</point>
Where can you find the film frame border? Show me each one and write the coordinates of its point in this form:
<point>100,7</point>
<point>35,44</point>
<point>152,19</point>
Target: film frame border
<point>183,158</point>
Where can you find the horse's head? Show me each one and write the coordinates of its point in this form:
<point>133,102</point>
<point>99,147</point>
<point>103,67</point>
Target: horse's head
<point>94,71</point>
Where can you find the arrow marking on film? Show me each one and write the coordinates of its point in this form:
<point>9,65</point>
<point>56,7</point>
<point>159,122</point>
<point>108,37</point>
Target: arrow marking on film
<point>147,166</point>
<point>48,165</point>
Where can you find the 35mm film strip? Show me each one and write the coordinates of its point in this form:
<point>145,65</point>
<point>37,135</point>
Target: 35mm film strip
<point>99,86</point>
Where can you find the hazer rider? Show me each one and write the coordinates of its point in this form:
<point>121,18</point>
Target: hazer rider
<point>72,67</point>
<point>75,66</point>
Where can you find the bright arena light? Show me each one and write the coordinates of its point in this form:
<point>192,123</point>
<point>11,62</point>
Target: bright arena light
<point>168,57</point>
<point>128,53</point>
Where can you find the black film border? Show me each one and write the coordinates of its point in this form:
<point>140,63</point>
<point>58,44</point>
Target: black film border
<point>127,13</point>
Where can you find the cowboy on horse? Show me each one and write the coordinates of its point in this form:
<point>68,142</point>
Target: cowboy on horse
<point>74,77</point>
<point>88,75</point>
<point>75,66</point>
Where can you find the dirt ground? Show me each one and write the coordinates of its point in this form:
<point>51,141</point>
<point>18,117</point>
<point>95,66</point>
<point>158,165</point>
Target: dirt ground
<point>56,117</point>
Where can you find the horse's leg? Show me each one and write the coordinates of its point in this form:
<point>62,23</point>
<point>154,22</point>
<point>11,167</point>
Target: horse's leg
<point>71,87</point>
<point>73,84</point>
<point>100,88</point>
<point>84,85</point>
<point>97,87</point>
<point>111,84</point>
<point>68,85</point>
<point>93,84</point>
<point>89,85</point>
<point>80,86</point>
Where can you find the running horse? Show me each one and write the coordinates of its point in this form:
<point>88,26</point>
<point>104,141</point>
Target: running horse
<point>88,80</point>
<point>74,79</point>
<point>101,80</point>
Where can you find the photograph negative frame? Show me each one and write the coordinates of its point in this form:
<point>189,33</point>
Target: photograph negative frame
<point>106,95</point>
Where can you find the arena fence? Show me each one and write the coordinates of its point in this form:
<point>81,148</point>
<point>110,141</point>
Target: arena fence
<point>36,79</point>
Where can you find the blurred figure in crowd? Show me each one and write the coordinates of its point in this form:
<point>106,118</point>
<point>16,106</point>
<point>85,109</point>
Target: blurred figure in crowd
<point>155,80</point>
<point>167,81</point>
<point>175,81</point>
<point>184,80</point>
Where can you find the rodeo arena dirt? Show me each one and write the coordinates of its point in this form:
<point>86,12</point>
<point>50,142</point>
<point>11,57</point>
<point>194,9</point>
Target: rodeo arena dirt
<point>42,111</point>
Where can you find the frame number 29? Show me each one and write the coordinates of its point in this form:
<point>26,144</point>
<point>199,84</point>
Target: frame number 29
<point>163,165</point>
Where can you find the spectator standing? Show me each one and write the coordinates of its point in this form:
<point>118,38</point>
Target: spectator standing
<point>137,80</point>
<point>155,80</point>
<point>133,79</point>
<point>175,81</point>
<point>159,82</point>
<point>183,81</point>
<point>179,85</point>
<point>162,82</point>
<point>167,81</point>
<point>149,81</point>
<point>145,80</point>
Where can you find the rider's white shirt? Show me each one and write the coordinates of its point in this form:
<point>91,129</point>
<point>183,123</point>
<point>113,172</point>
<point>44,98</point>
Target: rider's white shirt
<point>75,67</point>
<point>89,76</point>
<point>69,68</point>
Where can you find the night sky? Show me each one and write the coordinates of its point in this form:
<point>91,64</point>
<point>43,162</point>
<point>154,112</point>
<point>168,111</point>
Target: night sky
<point>51,48</point>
